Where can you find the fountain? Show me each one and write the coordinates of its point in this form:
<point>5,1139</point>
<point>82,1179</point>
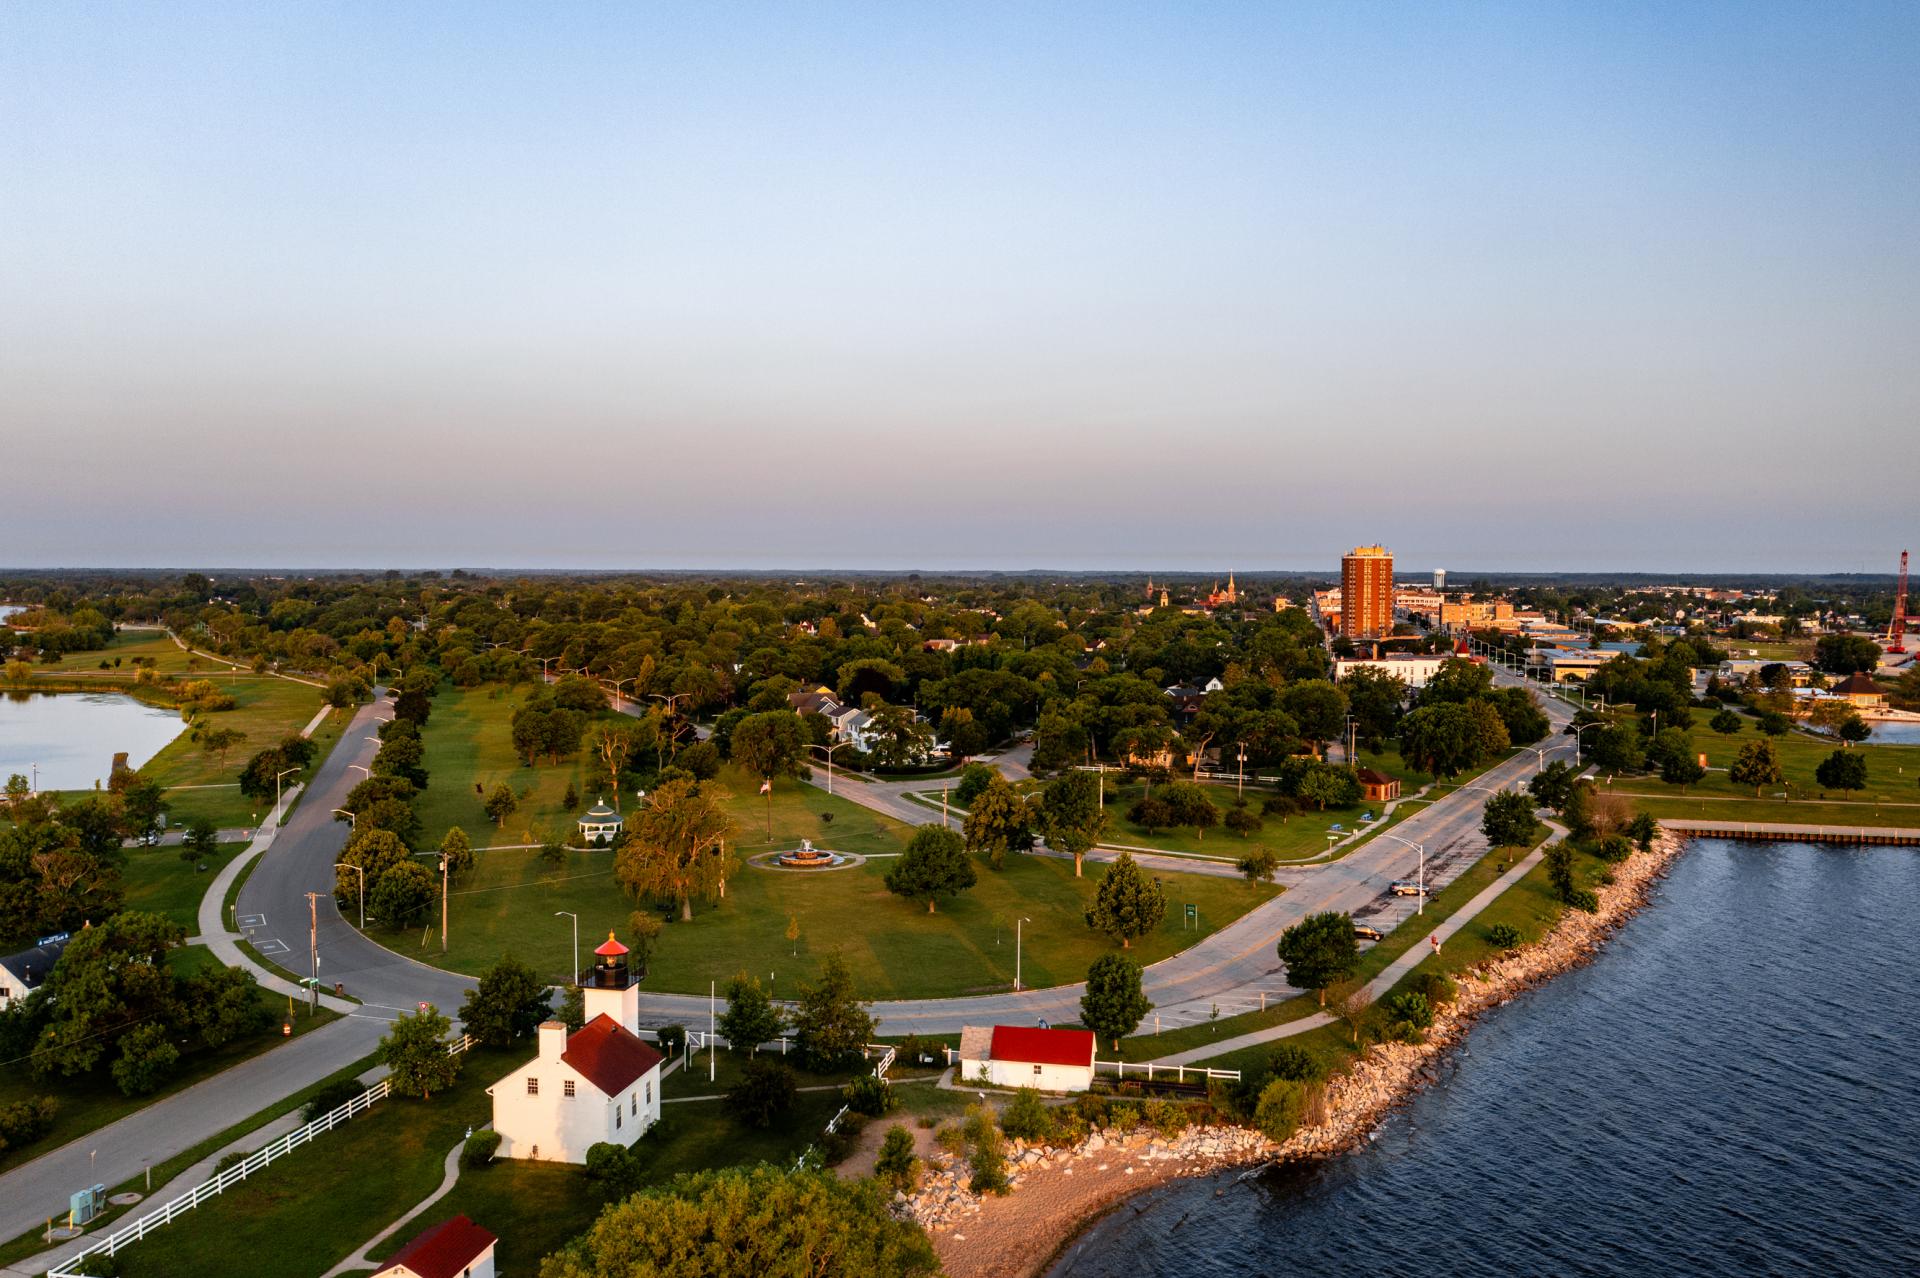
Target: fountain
<point>808,857</point>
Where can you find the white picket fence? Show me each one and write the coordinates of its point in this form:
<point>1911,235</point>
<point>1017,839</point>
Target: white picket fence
<point>1149,1071</point>
<point>833,1124</point>
<point>254,1162</point>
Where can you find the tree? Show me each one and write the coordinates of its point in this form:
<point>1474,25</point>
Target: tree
<point>614,745</point>
<point>1071,816</point>
<point>500,804</point>
<point>934,865</point>
<point>374,852</point>
<point>416,1056</point>
<point>1322,785</point>
<point>769,744</point>
<point>758,1221</point>
<point>965,737</point>
<point>1757,765</point>
<point>1260,866</point>
<point>1553,785</point>
<point>678,848</point>
<point>751,1018</point>
<point>1616,748</point>
<point>1243,820</point>
<point>1507,820</point>
<point>404,756</point>
<point>765,1091</point>
<point>898,1167</point>
<point>1671,751</point>
<point>987,1151</point>
<point>897,737</point>
<point>1559,860</point>
<point>1846,654</point>
<point>1113,1005</point>
<point>1187,804</point>
<point>1725,722</point>
<point>1842,770</point>
<point>1376,699</point>
<point>201,839</point>
<point>221,741</point>
<point>146,1059</point>
<point>508,1004</point>
<point>223,1005</point>
<point>402,893</point>
<point>1853,729</point>
<point>112,978</point>
<point>457,850</point>
<point>831,1025</point>
<point>999,818</point>
<point>974,778</point>
<point>1318,951</point>
<point>1128,903</point>
<point>1318,709</point>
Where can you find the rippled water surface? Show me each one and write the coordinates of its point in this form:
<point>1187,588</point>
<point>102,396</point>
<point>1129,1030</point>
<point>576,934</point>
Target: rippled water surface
<point>1731,1087</point>
<point>69,739</point>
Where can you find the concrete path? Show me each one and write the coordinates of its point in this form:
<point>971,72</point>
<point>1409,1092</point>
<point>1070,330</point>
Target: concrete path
<point>450,1175</point>
<point>1785,830</point>
<point>1388,977</point>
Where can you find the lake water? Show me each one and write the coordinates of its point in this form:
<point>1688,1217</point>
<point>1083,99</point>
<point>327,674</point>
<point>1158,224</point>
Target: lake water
<point>1894,732</point>
<point>74,736</point>
<point>7,610</point>
<point>1730,1088</point>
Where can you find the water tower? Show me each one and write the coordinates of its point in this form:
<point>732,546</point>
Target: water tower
<point>1439,578</point>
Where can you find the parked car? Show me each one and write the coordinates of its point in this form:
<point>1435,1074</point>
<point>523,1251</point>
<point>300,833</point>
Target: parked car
<point>1406,887</point>
<point>1366,931</point>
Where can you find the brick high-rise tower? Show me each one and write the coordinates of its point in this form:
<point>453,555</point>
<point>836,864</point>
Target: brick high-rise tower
<point>1366,592</point>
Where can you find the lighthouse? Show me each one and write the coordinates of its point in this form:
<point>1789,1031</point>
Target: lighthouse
<point>612,990</point>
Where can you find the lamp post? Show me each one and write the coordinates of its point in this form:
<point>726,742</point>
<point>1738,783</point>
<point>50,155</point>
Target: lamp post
<point>1018,924</point>
<point>443,896</point>
<point>829,749</point>
<point>1240,782</point>
<point>673,737</point>
<point>575,978</point>
<point>1421,848</point>
<point>617,685</point>
<point>276,794</point>
<point>352,820</point>
<point>1576,739</point>
<point>361,871</point>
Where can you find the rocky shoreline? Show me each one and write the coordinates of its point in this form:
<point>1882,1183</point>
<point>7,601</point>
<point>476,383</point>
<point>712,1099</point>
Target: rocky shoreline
<point>1058,1192</point>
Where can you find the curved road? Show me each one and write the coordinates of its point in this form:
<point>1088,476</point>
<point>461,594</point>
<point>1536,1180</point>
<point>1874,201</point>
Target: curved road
<point>1228,972</point>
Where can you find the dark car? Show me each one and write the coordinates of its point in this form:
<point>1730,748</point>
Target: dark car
<point>1366,931</point>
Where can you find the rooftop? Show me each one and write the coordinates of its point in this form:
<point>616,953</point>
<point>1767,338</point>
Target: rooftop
<point>443,1251</point>
<point>609,1055</point>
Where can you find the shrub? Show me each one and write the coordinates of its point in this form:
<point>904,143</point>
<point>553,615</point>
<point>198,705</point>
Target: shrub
<point>1027,1117</point>
<point>1408,1007</point>
<point>869,1095</point>
<point>1282,1104</point>
<point>1584,899</point>
<point>897,1167</point>
<point>1243,820</point>
<point>1295,1064</point>
<point>988,1161</point>
<point>1259,867</point>
<point>1503,936</point>
<point>1280,805</point>
<point>951,1139</point>
<point>1166,1118</point>
<point>25,1121</point>
<point>1615,847</point>
<point>672,1039</point>
<point>479,1148</point>
<point>230,1161</point>
<point>765,1091</point>
<point>1436,987</point>
<point>1123,1116</point>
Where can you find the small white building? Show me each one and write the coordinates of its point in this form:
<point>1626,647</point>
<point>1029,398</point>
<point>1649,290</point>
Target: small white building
<point>600,1083</point>
<point>455,1248</point>
<point>23,973</point>
<point>1415,668</point>
<point>600,825</point>
<point>1052,1060</point>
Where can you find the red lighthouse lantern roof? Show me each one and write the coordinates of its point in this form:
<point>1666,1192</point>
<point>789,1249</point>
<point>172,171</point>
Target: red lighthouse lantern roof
<point>612,949</point>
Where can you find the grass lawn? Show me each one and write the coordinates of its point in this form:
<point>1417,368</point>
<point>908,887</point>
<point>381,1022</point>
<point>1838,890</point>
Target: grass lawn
<point>159,882</point>
<point>896,949</point>
<point>321,1194</point>
<point>91,1101</point>
<point>1893,780</point>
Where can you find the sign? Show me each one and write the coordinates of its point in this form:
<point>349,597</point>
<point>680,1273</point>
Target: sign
<point>55,939</point>
<point>1193,911</point>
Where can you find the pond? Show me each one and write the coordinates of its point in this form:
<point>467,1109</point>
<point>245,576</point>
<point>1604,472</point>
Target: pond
<point>72,737</point>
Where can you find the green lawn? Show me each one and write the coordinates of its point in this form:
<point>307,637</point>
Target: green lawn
<point>159,882</point>
<point>322,1195</point>
<point>91,1101</point>
<point>896,949</point>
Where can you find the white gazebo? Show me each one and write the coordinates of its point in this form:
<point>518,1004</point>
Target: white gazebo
<point>600,825</point>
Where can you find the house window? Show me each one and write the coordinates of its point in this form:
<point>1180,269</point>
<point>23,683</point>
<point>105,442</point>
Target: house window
<point>633,1100</point>
<point>649,1093</point>
<point>533,1085</point>
<point>566,1089</point>
<point>1036,1069</point>
<point>616,1116</point>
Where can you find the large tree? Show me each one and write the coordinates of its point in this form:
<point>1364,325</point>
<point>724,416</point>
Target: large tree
<point>1757,765</point>
<point>770,744</point>
<point>999,819</point>
<point>1319,951</point>
<point>1318,708</point>
<point>759,1222</point>
<point>111,978</point>
<point>1507,820</point>
<point>1071,815</point>
<point>1114,1004</point>
<point>1842,770</point>
<point>1128,903</point>
<point>614,744</point>
<point>402,893</point>
<point>831,1025</point>
<point>1846,654</point>
<point>416,1056</point>
<point>751,1017</point>
<point>678,848</point>
<point>934,865</point>
<point>508,1004</point>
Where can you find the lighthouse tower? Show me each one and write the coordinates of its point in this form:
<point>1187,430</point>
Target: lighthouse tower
<point>611,988</point>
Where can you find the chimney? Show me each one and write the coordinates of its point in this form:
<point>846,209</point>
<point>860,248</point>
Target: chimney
<point>553,1040</point>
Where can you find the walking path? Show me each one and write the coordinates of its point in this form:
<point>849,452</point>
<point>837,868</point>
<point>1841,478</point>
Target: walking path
<point>1388,977</point>
<point>450,1174</point>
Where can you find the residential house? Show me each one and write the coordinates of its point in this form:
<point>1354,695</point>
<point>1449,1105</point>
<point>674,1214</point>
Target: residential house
<point>23,973</point>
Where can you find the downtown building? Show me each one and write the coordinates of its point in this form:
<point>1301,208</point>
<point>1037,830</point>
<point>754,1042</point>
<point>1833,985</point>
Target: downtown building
<point>1366,592</point>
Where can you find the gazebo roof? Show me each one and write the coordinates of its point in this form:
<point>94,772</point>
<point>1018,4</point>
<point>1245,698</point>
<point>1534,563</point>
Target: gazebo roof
<point>600,814</point>
<point>612,948</point>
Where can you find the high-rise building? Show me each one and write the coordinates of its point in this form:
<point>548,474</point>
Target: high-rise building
<point>1366,592</point>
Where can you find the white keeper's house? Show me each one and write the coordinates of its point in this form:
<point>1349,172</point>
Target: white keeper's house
<point>599,1083</point>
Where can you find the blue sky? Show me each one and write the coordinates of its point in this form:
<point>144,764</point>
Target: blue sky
<point>1185,286</point>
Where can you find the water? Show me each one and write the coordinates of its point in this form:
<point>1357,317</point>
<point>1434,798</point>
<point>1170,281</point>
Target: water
<point>1894,732</point>
<point>1732,1087</point>
<point>7,610</point>
<point>74,736</point>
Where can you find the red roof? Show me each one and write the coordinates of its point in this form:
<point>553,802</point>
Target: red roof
<point>609,1055</point>
<point>1042,1046</point>
<point>442,1251</point>
<point>611,948</point>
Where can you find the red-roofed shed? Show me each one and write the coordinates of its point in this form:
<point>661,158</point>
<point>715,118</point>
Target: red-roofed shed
<point>1053,1060</point>
<point>455,1248</point>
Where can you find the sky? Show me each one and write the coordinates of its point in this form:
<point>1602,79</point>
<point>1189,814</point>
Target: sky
<point>1182,287</point>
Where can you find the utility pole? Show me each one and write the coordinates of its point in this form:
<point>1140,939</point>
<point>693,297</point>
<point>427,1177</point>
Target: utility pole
<point>313,950</point>
<point>443,903</point>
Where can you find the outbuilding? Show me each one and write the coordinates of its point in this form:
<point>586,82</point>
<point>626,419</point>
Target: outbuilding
<point>1052,1060</point>
<point>601,825</point>
<point>23,973</point>
<point>455,1248</point>
<point>1377,787</point>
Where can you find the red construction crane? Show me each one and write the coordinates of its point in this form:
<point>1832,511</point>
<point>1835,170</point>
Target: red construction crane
<point>1897,629</point>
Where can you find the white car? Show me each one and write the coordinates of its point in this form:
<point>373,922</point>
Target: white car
<point>1406,887</point>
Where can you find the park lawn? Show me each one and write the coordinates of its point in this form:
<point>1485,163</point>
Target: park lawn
<point>894,946</point>
<point>159,882</point>
<point>91,1101</point>
<point>321,1193</point>
<point>1734,811</point>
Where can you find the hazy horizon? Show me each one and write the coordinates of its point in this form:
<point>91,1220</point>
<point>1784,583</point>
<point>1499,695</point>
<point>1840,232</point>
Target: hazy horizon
<point>1177,287</point>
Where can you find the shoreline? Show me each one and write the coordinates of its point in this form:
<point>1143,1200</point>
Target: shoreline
<point>992,1237</point>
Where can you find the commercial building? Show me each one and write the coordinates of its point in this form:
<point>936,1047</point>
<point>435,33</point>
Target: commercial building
<point>1415,668</point>
<point>1366,592</point>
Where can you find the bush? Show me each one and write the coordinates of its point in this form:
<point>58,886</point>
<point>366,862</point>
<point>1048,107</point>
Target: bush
<point>1615,848</point>
<point>1027,1117</point>
<point>26,1121</point>
<point>1295,1064</point>
<point>1166,1118</point>
<point>1124,1116</point>
<point>1503,936</point>
<point>897,1167</point>
<point>988,1161</point>
<point>229,1161</point>
<point>1282,1104</point>
<point>479,1148</point>
<point>869,1095</point>
<point>1281,806</point>
<point>1243,820</point>
<point>1584,899</point>
<point>672,1039</point>
<point>951,1139</point>
<point>1437,988</point>
<point>765,1091</point>
<point>1410,1008</point>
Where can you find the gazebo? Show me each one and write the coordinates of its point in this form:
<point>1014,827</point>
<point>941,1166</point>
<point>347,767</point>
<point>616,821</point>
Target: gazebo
<point>600,825</point>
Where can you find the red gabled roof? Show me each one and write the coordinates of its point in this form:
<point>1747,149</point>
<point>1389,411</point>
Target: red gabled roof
<point>609,1055</point>
<point>612,948</point>
<point>1042,1046</point>
<point>442,1251</point>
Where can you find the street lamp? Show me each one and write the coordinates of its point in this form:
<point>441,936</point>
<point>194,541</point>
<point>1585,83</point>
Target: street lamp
<point>1240,783</point>
<point>443,896</point>
<point>361,871</point>
<point>617,685</point>
<point>1421,848</point>
<point>352,820</point>
<point>829,749</point>
<point>1576,739</point>
<point>1018,923</point>
<point>276,794</point>
<point>575,978</point>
